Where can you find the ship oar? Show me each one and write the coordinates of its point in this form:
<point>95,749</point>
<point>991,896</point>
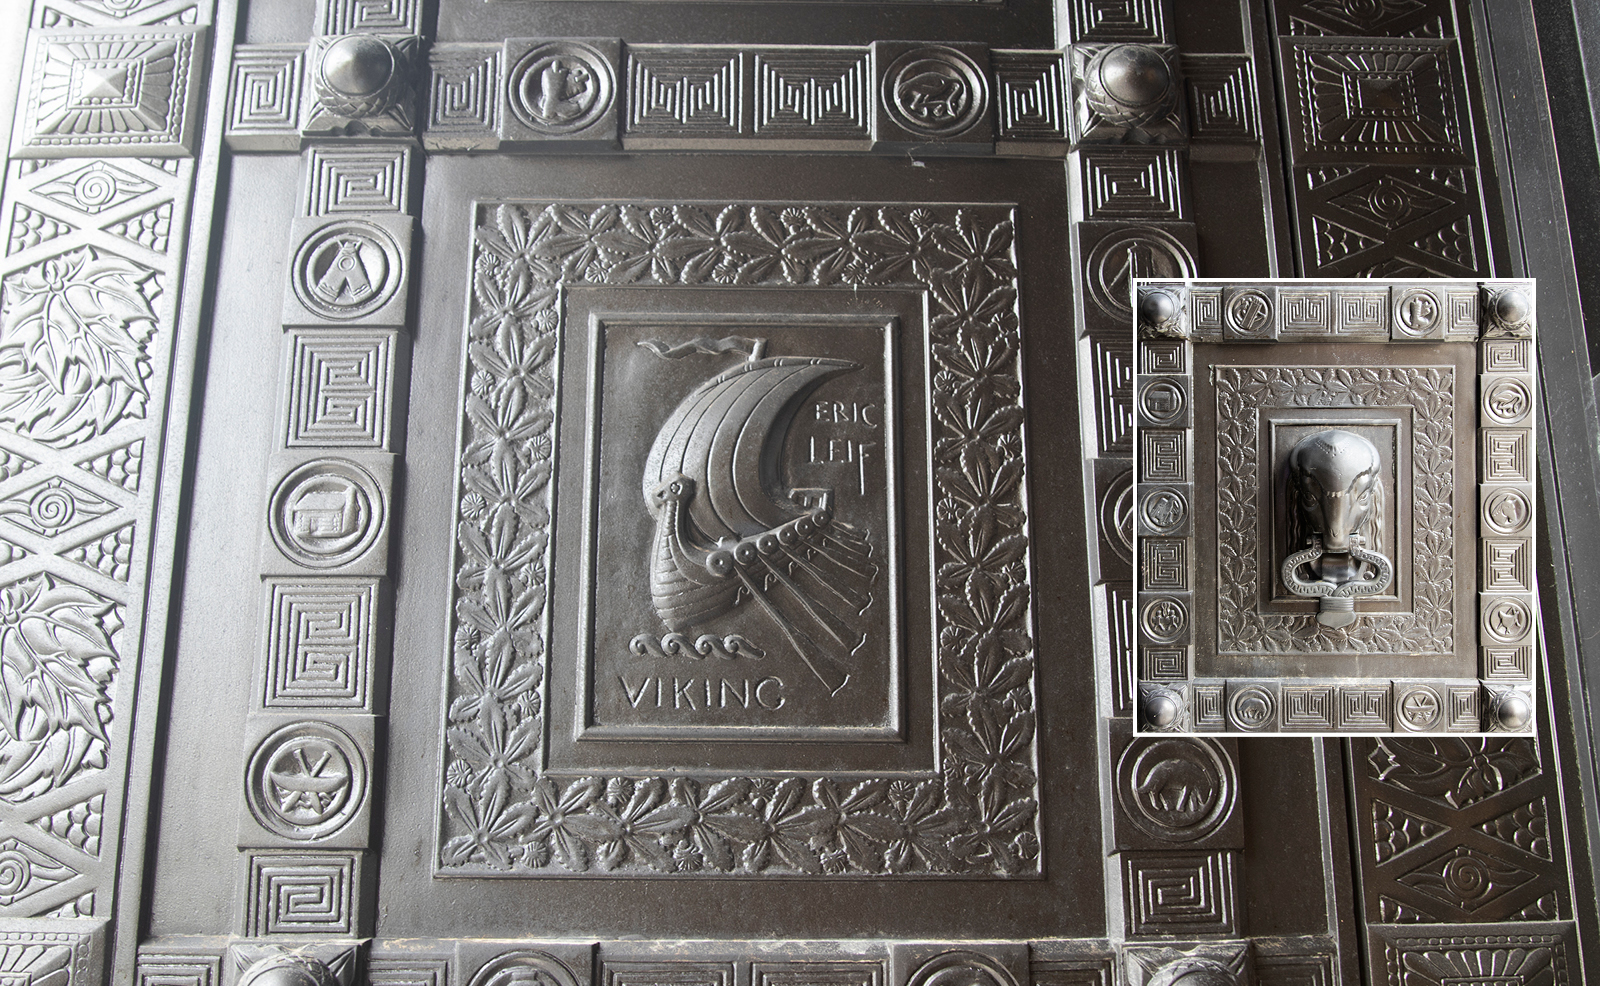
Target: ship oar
<point>846,595</point>
<point>816,662</point>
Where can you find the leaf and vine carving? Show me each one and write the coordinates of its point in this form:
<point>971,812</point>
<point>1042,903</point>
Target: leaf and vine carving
<point>73,353</point>
<point>57,665</point>
<point>1455,770</point>
<point>1429,628</point>
<point>978,816</point>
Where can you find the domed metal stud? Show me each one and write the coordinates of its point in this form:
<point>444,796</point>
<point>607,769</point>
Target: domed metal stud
<point>1512,307</point>
<point>358,65</point>
<point>1130,84</point>
<point>359,75</point>
<point>1512,710</point>
<point>1162,707</point>
<point>1160,314</point>
<point>288,970</point>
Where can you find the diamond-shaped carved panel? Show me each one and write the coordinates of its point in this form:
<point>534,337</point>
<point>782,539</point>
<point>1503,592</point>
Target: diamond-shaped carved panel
<point>26,872</point>
<point>1466,879</point>
<point>1390,222</point>
<point>95,187</point>
<point>54,507</point>
<point>1458,832</point>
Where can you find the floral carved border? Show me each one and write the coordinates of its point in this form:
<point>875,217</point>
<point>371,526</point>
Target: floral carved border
<point>977,815</point>
<point>1240,391</point>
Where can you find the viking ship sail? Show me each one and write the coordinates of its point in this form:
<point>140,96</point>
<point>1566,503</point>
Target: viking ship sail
<point>728,532</point>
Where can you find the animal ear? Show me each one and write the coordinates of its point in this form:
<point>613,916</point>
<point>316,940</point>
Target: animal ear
<point>1290,498</point>
<point>1375,521</point>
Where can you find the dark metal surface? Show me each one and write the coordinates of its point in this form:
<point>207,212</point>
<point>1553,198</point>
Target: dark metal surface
<point>423,605</point>
<point>1243,490</point>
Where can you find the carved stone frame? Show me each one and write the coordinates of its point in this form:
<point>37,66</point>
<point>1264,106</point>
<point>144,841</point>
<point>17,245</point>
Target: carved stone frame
<point>975,813</point>
<point>1187,612</point>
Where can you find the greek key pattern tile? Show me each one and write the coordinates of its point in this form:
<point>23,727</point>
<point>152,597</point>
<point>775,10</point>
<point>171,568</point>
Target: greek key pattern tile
<point>311,759</point>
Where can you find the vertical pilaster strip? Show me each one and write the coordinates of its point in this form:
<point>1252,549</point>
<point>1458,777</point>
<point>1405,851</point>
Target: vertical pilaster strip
<point>1507,593</point>
<point>1164,521</point>
<point>1170,876</point>
<point>1411,205</point>
<point>99,319</point>
<point>312,757</point>
<point>1379,136</point>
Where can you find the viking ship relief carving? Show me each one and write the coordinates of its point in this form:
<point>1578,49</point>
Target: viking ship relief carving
<point>743,536</point>
<point>743,525</point>
<point>728,536</point>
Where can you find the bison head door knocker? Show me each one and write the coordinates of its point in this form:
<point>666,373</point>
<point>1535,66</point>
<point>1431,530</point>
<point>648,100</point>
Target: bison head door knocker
<point>1335,489</point>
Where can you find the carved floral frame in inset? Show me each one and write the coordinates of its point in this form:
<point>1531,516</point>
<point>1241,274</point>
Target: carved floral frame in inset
<point>976,813</point>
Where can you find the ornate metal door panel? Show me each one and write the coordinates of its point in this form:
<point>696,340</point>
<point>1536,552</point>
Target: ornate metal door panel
<point>641,494</point>
<point>1307,461</point>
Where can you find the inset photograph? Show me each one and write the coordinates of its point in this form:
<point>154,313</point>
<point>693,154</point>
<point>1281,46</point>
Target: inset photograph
<point>1334,507</point>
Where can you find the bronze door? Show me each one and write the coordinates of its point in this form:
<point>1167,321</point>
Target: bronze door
<point>641,493</point>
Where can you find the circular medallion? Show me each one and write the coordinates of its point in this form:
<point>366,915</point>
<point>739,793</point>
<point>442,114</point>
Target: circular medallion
<point>1417,312</point>
<point>561,87</point>
<point>1163,402</point>
<point>326,513</point>
<point>347,269</point>
<point>1507,400</point>
<point>1165,619</point>
<point>1177,789</point>
<point>524,968</point>
<point>95,188</point>
<point>1252,707</point>
<point>1507,620</point>
<point>1248,313</point>
<point>1506,510</point>
<point>1467,878</point>
<point>16,873</point>
<point>1420,707</point>
<point>53,507</point>
<point>935,91</point>
<point>1116,516</point>
<point>1118,259</point>
<point>1386,200</point>
<point>306,781</point>
<point>961,968</point>
<point>1164,511</point>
